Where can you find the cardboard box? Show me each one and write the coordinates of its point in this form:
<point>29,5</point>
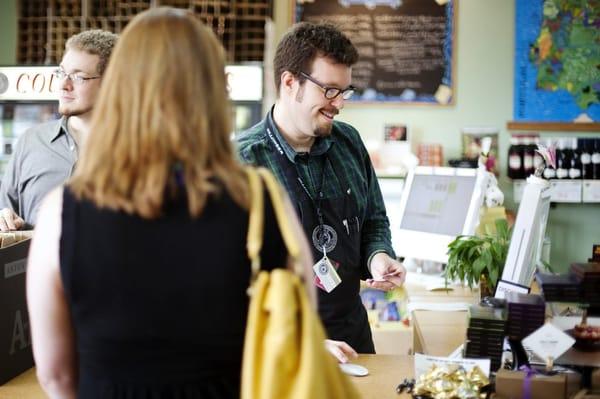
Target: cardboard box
<point>392,338</point>
<point>15,341</point>
<point>510,385</point>
<point>587,394</point>
<point>438,333</point>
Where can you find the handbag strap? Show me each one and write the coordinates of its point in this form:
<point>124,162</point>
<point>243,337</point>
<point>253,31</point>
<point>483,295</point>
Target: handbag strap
<point>254,239</point>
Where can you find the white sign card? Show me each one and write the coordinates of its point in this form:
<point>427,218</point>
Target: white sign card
<point>548,341</point>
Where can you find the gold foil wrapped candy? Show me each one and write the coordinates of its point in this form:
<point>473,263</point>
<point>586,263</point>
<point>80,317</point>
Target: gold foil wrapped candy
<point>451,381</point>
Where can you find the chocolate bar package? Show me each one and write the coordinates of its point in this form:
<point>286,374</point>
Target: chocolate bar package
<point>485,334</point>
<point>589,270</point>
<point>588,275</point>
<point>478,334</point>
<point>559,288</point>
<point>487,318</point>
<point>513,384</point>
<point>526,313</point>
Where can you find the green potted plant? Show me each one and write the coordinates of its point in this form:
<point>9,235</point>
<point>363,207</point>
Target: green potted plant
<point>476,260</point>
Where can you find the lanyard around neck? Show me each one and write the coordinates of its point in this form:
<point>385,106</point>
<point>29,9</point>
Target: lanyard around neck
<point>316,201</point>
<point>319,197</point>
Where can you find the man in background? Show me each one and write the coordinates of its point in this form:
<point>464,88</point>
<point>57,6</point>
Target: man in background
<point>45,155</point>
<point>327,171</point>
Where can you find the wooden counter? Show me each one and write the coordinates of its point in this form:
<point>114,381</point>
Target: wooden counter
<point>24,386</point>
<point>436,333</point>
<point>385,373</point>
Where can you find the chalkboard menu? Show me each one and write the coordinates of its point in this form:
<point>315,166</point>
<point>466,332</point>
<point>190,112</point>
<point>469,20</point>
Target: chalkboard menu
<point>405,46</point>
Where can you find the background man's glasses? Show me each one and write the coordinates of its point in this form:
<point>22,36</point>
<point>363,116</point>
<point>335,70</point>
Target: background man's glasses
<point>76,79</point>
<point>331,92</point>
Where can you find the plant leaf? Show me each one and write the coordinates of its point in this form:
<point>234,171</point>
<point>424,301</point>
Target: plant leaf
<point>548,266</point>
<point>486,257</point>
<point>493,276</point>
<point>501,228</point>
<point>473,251</point>
<point>478,267</point>
<point>470,257</point>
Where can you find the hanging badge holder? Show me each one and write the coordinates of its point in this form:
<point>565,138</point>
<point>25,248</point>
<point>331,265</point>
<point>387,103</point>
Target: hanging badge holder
<point>326,273</point>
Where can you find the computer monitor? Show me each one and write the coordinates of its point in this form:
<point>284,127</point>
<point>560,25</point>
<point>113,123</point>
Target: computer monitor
<point>524,251</point>
<point>437,205</point>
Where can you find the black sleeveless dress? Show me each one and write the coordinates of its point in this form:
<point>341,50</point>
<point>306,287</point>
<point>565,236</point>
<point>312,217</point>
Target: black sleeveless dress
<point>159,306</point>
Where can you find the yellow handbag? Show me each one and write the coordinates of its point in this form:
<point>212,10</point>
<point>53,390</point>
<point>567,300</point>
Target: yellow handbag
<point>284,349</point>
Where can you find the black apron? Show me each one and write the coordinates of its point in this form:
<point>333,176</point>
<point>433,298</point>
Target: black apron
<point>335,223</point>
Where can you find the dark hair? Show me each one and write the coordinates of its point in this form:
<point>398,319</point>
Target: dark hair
<point>304,42</point>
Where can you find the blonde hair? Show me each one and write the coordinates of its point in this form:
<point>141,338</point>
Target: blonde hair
<point>96,42</point>
<point>162,106</point>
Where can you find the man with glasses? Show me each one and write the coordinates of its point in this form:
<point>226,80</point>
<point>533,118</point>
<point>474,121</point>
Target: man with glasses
<point>326,169</point>
<point>45,155</point>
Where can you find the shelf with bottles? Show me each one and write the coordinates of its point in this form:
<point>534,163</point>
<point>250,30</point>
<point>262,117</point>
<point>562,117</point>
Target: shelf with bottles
<point>565,191</point>
<point>575,179</point>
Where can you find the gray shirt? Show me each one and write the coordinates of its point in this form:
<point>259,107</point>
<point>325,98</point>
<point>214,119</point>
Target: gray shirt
<point>43,159</point>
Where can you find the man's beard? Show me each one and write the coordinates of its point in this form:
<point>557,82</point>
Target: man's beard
<point>323,131</point>
<point>65,110</point>
<point>320,131</point>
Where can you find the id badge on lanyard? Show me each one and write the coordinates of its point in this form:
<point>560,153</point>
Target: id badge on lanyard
<point>326,273</point>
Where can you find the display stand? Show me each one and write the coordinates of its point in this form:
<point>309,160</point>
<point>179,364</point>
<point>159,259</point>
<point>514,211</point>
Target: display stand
<point>584,359</point>
<point>16,355</point>
<point>525,314</point>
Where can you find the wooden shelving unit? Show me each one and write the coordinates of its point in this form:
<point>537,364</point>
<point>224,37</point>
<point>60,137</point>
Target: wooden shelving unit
<point>554,126</point>
<point>45,25</point>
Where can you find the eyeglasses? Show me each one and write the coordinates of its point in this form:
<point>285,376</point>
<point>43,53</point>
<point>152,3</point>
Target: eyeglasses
<point>76,79</point>
<point>331,92</point>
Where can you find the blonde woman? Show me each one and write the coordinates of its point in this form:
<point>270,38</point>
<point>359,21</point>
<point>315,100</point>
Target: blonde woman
<point>138,270</point>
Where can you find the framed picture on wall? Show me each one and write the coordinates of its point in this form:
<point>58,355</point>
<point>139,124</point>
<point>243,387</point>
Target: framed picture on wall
<point>556,62</point>
<point>395,133</point>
